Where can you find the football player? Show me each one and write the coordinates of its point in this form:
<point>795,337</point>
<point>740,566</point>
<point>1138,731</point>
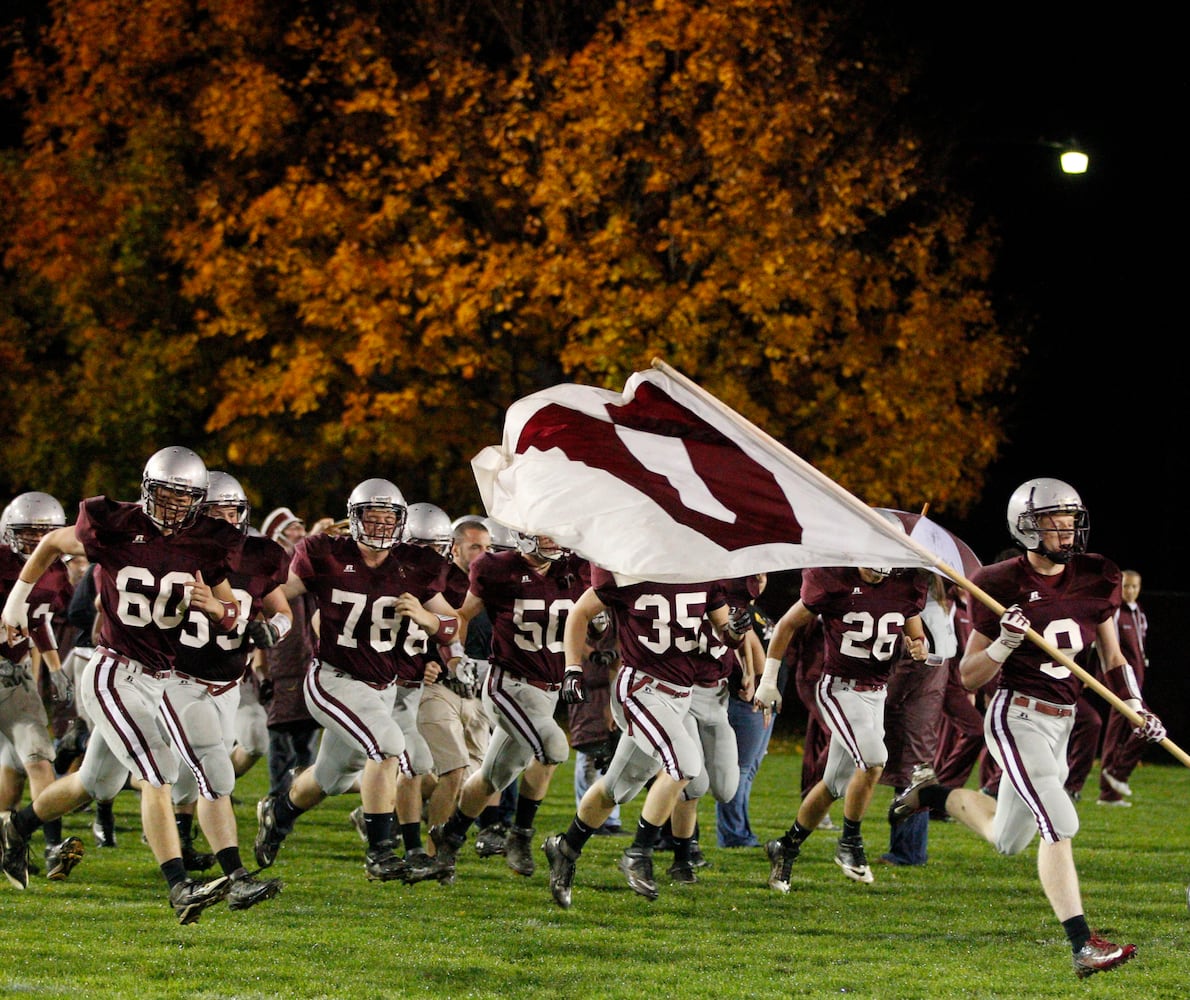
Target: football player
<point>201,700</point>
<point>527,594</point>
<point>870,617</point>
<point>1069,596</point>
<point>374,593</point>
<point>658,626</point>
<point>158,558</point>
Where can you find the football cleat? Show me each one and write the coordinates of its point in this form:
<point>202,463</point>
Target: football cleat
<point>637,865</point>
<point>383,864</point>
<point>421,867</point>
<point>247,890</point>
<point>14,853</point>
<point>850,856</point>
<point>1116,785</point>
<point>1100,955</point>
<point>357,821</point>
<point>491,840</point>
<point>697,858</point>
<point>195,861</point>
<point>1114,803</point>
<point>191,897</point>
<point>682,872</point>
<point>518,850</point>
<point>909,801</point>
<point>562,861</point>
<point>269,837</point>
<point>60,859</point>
<point>782,855</point>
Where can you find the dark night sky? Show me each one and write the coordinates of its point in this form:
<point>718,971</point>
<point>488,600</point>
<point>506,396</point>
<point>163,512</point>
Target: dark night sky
<point>1096,259</point>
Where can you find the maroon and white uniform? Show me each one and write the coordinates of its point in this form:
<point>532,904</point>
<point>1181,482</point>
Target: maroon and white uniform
<point>352,685</point>
<point>863,624</point>
<point>141,591</point>
<point>23,717</point>
<point>707,720</point>
<point>202,697</point>
<point>528,611</point>
<point>1028,722</point>
<point>1122,748</point>
<point>658,625</point>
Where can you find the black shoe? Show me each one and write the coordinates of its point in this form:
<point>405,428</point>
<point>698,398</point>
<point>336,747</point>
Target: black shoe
<point>562,861</point>
<point>382,863</point>
<point>637,865</point>
<point>683,872</point>
<point>269,837</point>
<point>909,801</point>
<point>248,890</point>
<point>61,858</point>
<point>105,833</point>
<point>14,853</point>
<point>697,858</point>
<point>518,850</point>
<point>781,858</point>
<point>851,857</point>
<point>420,867</point>
<point>196,861</point>
<point>191,897</point>
<point>491,840</point>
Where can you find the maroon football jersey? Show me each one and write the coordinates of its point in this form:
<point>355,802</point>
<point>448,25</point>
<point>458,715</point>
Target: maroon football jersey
<point>528,610</point>
<point>145,574</point>
<point>50,596</point>
<point>260,568</point>
<point>360,629</point>
<point>420,649</point>
<point>718,659</point>
<point>658,623</point>
<point>1063,609</point>
<point>863,622</point>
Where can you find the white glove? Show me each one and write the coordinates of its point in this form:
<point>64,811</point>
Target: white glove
<point>1013,626</point>
<point>1153,730</point>
<point>16,608</point>
<point>767,697</point>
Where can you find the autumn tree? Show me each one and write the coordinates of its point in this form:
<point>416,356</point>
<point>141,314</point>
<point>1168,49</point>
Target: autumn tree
<point>321,243</point>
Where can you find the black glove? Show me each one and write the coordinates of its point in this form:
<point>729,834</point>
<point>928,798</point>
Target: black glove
<point>603,658</point>
<point>573,688</point>
<point>262,634</point>
<point>740,623</point>
<point>603,757</point>
<point>266,691</point>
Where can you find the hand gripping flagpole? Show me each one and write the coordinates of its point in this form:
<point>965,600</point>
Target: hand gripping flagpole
<point>771,444</point>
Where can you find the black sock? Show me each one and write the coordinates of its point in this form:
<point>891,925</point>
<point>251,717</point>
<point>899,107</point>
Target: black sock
<point>174,872</point>
<point>229,859</point>
<point>647,834</point>
<point>105,814</point>
<point>578,835</point>
<point>379,827</point>
<point>285,812</point>
<point>489,817</point>
<point>411,835</point>
<point>682,850</point>
<point>52,828</point>
<point>458,824</point>
<point>25,821</point>
<point>526,811</point>
<point>851,830</point>
<point>933,797</point>
<point>1077,930</point>
<point>797,834</point>
<point>185,823</point>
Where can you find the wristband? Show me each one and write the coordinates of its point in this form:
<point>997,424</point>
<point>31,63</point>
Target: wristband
<point>772,667</point>
<point>282,624</point>
<point>448,627</point>
<point>1121,681</point>
<point>16,607</point>
<point>231,614</point>
<point>998,652</point>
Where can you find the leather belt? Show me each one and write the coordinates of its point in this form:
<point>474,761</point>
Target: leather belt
<point>120,660</point>
<point>541,685</point>
<point>660,686</point>
<point>711,684</point>
<point>1042,707</point>
<point>860,685</point>
<point>215,688</point>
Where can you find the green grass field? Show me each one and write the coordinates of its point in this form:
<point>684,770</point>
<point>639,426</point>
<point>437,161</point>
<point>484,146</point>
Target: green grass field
<point>968,924</point>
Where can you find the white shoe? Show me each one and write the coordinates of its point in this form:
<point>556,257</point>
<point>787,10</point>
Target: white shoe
<point>1116,785</point>
<point>1118,803</point>
<point>826,823</point>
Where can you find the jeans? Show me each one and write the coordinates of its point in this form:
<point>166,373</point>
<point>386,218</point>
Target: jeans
<point>585,776</point>
<point>752,738</point>
<point>289,748</point>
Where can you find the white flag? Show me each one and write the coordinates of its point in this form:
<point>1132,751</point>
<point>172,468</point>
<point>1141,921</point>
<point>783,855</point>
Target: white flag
<point>664,482</point>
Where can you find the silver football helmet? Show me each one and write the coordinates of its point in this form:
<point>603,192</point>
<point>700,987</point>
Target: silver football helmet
<point>539,546</point>
<point>504,539</point>
<point>173,485</point>
<point>27,518</point>
<point>376,496</point>
<point>1038,498</point>
<point>891,517</point>
<point>224,490</point>
<point>428,525</point>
